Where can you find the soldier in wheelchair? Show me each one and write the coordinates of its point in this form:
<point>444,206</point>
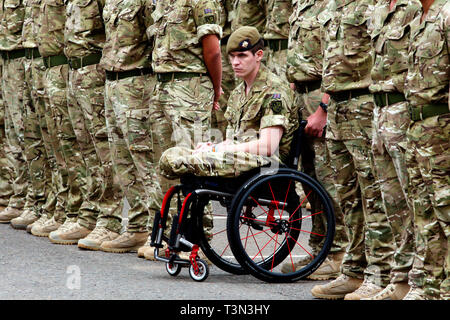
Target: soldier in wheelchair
<point>253,175</point>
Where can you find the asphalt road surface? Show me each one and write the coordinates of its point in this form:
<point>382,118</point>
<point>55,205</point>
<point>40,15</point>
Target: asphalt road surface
<point>34,268</point>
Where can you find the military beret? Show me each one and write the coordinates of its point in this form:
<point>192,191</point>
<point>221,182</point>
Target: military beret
<point>243,39</point>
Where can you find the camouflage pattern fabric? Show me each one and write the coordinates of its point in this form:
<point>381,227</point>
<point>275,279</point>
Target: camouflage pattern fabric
<point>85,35</point>
<point>12,13</point>
<point>126,46</point>
<point>250,13</point>
<point>130,136</point>
<point>179,26</point>
<point>51,42</point>
<point>346,66</point>
<point>5,169</point>
<point>391,39</point>
<point>427,155</point>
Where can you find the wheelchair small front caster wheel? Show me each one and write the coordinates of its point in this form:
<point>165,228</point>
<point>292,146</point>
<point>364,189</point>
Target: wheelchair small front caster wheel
<point>199,271</point>
<point>173,269</point>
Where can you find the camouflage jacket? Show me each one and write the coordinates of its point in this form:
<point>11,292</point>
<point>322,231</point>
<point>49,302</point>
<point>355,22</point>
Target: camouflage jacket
<point>127,46</point>
<point>277,19</point>
<point>84,32</point>
<point>269,103</point>
<point>31,24</point>
<point>11,24</point>
<point>51,30</point>
<point>226,16</point>
<point>304,57</point>
<point>347,49</point>
<point>427,81</point>
<point>390,35</point>
<point>178,29</point>
<point>250,13</point>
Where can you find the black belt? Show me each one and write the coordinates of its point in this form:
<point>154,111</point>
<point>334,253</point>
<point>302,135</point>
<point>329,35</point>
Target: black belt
<point>349,94</point>
<point>77,63</point>
<point>169,76</point>
<point>305,87</point>
<point>383,99</point>
<point>13,54</point>
<point>32,53</point>
<point>427,111</point>
<point>112,75</point>
<point>277,45</point>
<point>53,61</point>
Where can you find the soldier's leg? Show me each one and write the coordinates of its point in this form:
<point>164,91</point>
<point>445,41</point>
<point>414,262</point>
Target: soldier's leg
<point>429,167</point>
<point>34,152</point>
<point>56,85</point>
<point>388,145</point>
<point>6,190</point>
<point>89,93</point>
<point>120,98</point>
<point>13,86</point>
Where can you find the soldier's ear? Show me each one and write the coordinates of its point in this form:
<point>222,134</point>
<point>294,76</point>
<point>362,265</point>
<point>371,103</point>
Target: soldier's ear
<point>259,55</point>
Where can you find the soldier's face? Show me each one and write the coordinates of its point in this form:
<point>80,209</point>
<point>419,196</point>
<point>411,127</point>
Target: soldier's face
<point>245,63</point>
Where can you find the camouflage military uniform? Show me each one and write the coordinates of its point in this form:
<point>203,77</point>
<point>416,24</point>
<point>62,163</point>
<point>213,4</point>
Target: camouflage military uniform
<point>246,116</point>
<point>346,78</point>
<point>180,110</point>
<point>84,36</point>
<point>304,68</point>
<point>428,148</point>
<point>276,35</point>
<point>249,13</point>
<point>13,86</point>
<point>67,151</point>
<point>129,85</point>
<point>390,36</point>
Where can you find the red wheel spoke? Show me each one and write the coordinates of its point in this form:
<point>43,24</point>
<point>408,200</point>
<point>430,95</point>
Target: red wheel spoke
<point>274,250</point>
<point>285,198</point>
<point>301,246</point>
<point>317,234</point>
<point>299,206</point>
<point>260,206</point>
<point>263,247</point>
<point>306,216</point>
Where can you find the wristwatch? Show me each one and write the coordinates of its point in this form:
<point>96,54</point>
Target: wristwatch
<point>324,106</point>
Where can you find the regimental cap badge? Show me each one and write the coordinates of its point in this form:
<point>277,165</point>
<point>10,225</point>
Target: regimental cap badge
<point>244,44</point>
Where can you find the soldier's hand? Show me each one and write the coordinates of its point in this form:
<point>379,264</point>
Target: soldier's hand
<point>316,123</point>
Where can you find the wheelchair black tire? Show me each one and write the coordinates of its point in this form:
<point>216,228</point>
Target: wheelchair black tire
<point>263,269</point>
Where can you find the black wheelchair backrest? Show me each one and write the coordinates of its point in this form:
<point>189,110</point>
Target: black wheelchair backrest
<point>296,145</point>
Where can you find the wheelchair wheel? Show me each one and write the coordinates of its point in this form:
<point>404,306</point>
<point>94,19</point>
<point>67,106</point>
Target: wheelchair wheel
<point>213,239</point>
<point>268,225</point>
<point>201,272</point>
<point>173,269</point>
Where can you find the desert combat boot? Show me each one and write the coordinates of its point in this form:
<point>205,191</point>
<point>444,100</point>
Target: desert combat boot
<point>126,242</point>
<point>95,239</point>
<point>21,222</point>
<point>366,290</point>
<point>43,229</point>
<point>337,289</point>
<point>393,291</point>
<point>8,214</point>
<point>70,234</point>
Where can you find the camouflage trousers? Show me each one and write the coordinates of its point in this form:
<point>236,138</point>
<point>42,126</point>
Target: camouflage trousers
<point>178,161</point>
<point>35,153</point>
<point>56,82</point>
<point>316,163</point>
<point>389,145</point>
<point>370,250</point>
<point>6,171</point>
<point>428,163</point>
<point>102,197</point>
<point>55,203</point>
<point>130,138</point>
<point>13,86</point>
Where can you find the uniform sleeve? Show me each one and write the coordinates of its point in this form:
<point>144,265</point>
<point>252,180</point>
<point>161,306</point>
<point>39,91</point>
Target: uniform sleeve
<point>147,13</point>
<point>207,18</point>
<point>275,113</point>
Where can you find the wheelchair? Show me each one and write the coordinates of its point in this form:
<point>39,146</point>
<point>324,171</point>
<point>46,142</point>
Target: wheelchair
<point>258,223</point>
